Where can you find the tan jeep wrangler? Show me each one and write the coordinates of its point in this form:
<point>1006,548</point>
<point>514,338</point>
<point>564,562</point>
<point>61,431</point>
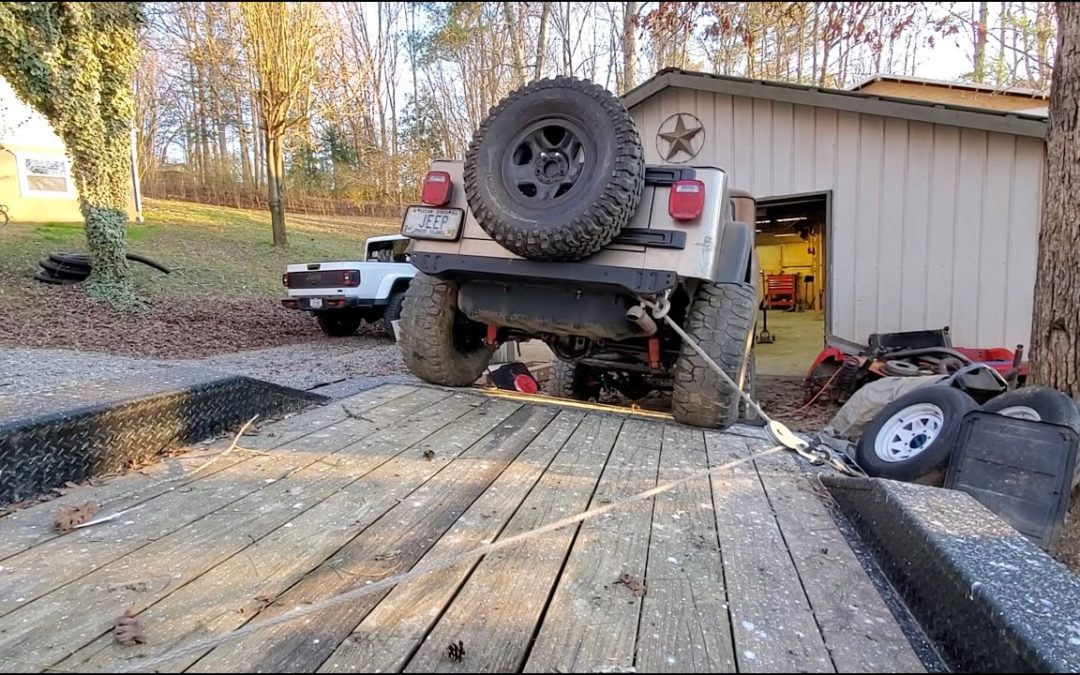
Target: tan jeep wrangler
<point>553,228</point>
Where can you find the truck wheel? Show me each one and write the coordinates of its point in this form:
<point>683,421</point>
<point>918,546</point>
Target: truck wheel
<point>721,320</point>
<point>556,170</point>
<point>573,380</point>
<point>440,344</point>
<point>912,438</point>
<point>392,313</point>
<point>338,324</point>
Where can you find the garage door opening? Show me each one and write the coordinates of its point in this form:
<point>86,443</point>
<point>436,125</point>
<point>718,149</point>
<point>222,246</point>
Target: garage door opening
<point>792,232</point>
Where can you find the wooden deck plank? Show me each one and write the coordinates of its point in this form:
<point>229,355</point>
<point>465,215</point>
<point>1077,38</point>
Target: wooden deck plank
<point>87,609</point>
<point>291,429</point>
<point>859,630</point>
<point>771,619</point>
<point>684,619</point>
<point>592,620</point>
<point>29,527</point>
<point>225,597</point>
<point>386,638</point>
<point>474,453</point>
<point>495,611</point>
<point>54,563</point>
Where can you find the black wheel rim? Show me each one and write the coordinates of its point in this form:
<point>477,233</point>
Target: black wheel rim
<point>545,161</point>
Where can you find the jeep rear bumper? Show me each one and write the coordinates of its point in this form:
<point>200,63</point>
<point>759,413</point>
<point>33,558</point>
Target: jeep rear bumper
<point>636,281</point>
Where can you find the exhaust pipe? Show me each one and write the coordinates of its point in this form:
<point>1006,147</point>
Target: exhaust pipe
<point>639,317</point>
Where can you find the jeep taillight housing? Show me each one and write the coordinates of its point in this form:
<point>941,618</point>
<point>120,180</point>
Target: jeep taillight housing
<point>686,199</point>
<point>285,280</point>
<point>350,278</point>
<point>437,187</point>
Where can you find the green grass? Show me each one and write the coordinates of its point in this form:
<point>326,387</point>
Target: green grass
<point>212,250</point>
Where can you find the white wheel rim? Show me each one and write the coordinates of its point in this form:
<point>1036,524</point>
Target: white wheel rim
<point>909,432</point>
<point>1021,412</point>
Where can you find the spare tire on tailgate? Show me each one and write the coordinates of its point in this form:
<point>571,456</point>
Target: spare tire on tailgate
<point>556,170</point>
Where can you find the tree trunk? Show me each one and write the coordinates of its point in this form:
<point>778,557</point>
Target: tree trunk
<point>999,64</point>
<point>242,134</point>
<point>629,46</point>
<point>1055,352</point>
<point>275,170</point>
<point>541,40</point>
<point>517,49</point>
<point>980,43</point>
<point>259,143</point>
<point>103,195</point>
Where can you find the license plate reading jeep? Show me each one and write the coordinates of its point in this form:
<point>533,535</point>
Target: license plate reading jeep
<point>422,222</point>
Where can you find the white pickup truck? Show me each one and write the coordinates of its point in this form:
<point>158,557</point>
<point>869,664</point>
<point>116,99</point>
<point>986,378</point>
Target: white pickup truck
<point>342,294</point>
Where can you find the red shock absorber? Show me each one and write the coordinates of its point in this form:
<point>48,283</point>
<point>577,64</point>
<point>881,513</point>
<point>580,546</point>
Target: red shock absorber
<point>492,336</point>
<point>654,353</point>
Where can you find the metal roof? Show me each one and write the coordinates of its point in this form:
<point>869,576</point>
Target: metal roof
<point>1001,121</point>
<point>966,86</point>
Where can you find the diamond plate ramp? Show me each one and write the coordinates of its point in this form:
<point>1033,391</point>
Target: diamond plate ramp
<point>988,598</point>
<point>75,433</point>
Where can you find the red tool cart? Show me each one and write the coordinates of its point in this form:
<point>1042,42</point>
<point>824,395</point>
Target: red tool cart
<point>780,291</point>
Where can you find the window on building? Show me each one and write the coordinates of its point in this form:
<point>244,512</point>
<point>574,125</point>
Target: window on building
<point>44,175</point>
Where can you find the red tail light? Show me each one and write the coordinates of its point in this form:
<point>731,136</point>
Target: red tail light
<point>350,278</point>
<point>285,280</point>
<point>686,199</point>
<point>437,187</point>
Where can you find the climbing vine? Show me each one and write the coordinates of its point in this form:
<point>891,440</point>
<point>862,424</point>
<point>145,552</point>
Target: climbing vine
<point>73,62</point>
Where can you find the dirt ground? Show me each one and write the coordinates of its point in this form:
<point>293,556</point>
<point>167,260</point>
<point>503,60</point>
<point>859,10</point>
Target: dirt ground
<point>57,317</point>
<point>782,397</point>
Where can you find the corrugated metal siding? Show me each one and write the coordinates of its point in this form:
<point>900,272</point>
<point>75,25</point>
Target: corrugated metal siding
<point>932,225</point>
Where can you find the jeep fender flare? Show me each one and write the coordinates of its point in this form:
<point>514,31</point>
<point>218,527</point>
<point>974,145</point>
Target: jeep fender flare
<point>386,286</point>
<point>735,255</point>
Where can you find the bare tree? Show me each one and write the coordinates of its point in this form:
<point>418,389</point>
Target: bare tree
<point>541,41</point>
<point>979,38</point>
<point>517,47</point>
<point>281,40</point>
<point>629,45</point>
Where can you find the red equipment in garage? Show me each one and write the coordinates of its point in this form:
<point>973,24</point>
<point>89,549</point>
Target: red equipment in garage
<point>843,366</point>
<point>780,291</point>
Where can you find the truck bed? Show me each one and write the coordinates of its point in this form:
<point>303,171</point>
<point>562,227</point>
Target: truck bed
<point>747,571</point>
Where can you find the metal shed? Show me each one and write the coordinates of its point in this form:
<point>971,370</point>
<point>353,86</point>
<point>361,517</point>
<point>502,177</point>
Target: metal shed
<point>931,210</point>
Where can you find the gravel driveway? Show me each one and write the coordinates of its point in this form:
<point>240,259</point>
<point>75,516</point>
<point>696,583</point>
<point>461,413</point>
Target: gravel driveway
<point>345,364</point>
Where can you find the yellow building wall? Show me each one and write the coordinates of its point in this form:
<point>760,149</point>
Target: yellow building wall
<point>35,209</point>
<point>795,258</point>
<point>40,209</point>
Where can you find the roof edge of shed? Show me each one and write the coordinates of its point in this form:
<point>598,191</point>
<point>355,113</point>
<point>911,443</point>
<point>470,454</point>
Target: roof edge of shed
<point>1007,122</point>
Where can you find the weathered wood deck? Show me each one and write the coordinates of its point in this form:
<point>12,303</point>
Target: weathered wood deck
<point>746,571</point>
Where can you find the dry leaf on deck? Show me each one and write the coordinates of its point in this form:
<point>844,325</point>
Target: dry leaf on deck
<point>265,599</point>
<point>67,517</point>
<point>127,630</point>
<point>636,587</point>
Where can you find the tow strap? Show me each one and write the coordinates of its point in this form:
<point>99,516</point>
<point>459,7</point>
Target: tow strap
<point>815,452</point>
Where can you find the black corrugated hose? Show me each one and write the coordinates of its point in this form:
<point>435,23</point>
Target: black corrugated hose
<point>71,268</point>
